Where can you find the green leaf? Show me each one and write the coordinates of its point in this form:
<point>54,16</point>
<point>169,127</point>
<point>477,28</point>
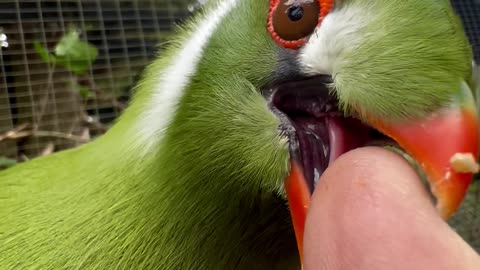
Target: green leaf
<point>74,54</point>
<point>44,53</point>
<point>84,92</point>
<point>67,43</point>
<point>7,162</point>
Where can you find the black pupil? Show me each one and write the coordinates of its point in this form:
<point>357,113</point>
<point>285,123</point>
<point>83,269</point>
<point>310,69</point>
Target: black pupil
<point>295,13</point>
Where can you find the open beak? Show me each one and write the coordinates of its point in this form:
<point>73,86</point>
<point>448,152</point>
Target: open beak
<point>444,145</point>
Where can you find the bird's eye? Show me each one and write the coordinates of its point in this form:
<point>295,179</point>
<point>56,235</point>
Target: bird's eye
<point>290,22</point>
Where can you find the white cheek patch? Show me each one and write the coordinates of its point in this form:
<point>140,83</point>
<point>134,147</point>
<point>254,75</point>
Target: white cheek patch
<point>338,33</point>
<point>173,81</point>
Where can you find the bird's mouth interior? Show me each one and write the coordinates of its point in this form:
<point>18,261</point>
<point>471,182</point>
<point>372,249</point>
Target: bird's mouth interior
<point>318,132</point>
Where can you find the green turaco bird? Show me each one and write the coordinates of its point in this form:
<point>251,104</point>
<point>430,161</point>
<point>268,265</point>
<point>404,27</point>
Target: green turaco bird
<point>213,163</point>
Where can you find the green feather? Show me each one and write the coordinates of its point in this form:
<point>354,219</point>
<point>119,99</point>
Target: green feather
<point>409,62</point>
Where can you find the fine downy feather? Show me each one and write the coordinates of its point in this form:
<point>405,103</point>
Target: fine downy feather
<point>194,199</point>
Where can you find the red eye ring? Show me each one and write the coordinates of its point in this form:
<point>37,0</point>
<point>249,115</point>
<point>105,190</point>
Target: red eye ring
<point>325,8</point>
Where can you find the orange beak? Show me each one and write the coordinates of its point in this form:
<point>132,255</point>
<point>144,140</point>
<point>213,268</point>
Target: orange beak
<point>298,195</point>
<point>432,142</point>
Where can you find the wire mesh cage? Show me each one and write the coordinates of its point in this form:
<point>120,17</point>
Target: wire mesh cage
<point>469,11</point>
<point>67,67</point>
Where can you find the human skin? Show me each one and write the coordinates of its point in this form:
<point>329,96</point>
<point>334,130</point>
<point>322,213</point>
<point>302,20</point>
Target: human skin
<point>371,211</point>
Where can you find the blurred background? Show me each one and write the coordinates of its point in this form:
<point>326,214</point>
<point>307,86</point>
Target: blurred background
<point>67,68</point>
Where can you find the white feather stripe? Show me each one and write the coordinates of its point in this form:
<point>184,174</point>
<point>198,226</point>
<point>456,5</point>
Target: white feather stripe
<point>175,79</point>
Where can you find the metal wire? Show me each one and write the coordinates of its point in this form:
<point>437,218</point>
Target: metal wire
<point>41,97</point>
<point>469,10</point>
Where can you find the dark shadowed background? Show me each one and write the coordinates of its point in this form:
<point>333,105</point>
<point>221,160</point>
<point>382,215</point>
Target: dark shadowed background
<point>67,67</point>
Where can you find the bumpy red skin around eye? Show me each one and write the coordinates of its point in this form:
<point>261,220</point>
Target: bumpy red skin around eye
<point>325,7</point>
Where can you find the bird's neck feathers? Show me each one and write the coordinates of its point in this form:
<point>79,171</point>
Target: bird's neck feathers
<point>193,200</point>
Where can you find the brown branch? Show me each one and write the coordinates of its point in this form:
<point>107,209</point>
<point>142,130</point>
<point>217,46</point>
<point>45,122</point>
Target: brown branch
<point>46,99</point>
<point>21,133</point>
<point>48,150</point>
<point>13,132</point>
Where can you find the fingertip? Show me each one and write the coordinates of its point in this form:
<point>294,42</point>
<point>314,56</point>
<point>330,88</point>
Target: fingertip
<point>371,211</point>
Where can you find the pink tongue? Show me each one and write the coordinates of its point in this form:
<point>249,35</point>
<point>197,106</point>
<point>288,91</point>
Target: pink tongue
<point>345,134</point>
